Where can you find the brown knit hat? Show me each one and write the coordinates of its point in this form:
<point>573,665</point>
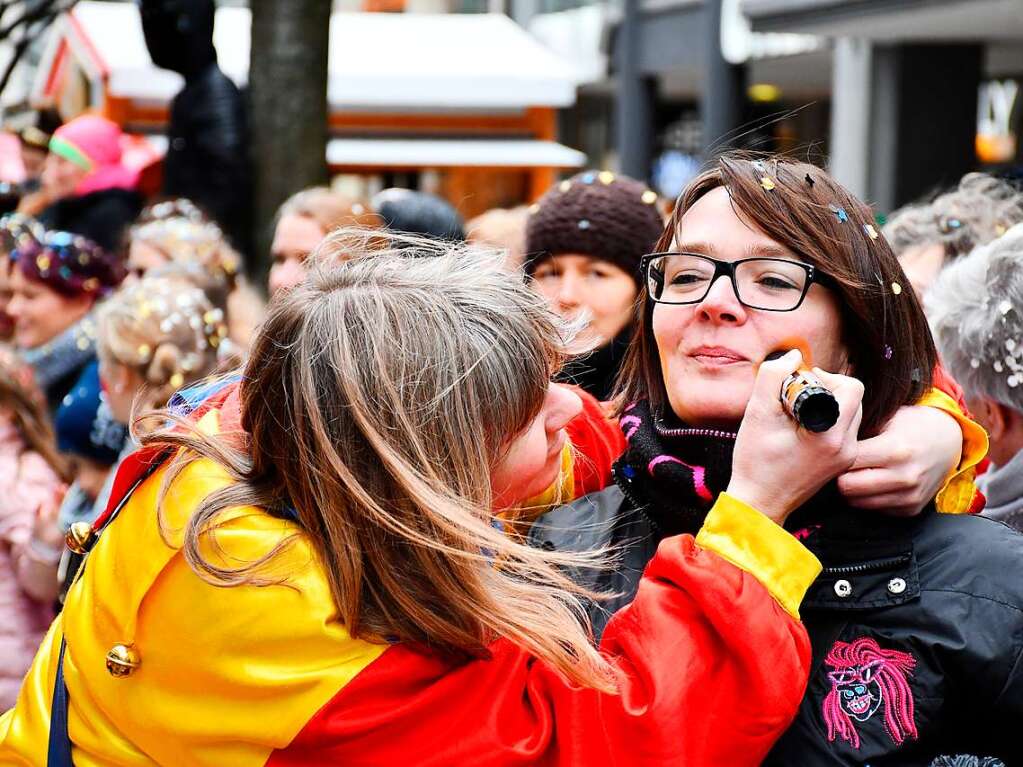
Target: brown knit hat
<point>610,217</point>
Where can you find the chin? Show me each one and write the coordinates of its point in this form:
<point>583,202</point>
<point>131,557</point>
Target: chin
<point>710,409</point>
<point>26,340</point>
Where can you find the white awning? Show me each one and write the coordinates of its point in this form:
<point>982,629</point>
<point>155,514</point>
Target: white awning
<point>381,61</point>
<point>446,153</point>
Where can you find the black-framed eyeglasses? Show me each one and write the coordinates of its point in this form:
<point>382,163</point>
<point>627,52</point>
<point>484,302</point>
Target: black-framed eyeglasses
<point>770,284</point>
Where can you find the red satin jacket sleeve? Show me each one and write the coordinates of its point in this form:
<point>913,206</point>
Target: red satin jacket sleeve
<point>711,666</point>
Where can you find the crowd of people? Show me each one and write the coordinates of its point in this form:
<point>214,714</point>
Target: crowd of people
<point>513,491</point>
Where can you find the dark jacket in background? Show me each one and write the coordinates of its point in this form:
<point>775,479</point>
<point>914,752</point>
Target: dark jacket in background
<point>207,153</point>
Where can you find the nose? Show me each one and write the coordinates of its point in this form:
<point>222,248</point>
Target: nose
<point>569,291</point>
<point>721,304</point>
<point>286,275</point>
<point>14,306</point>
<point>562,406</point>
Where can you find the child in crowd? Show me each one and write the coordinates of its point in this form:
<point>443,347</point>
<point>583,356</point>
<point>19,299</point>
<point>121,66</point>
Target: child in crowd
<point>32,476</point>
<point>93,439</point>
<point>156,337</point>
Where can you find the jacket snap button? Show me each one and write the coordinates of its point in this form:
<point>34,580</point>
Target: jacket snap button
<point>843,588</point>
<point>896,585</point>
<point>122,660</point>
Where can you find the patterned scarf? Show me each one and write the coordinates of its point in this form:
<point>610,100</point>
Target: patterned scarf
<point>672,471</point>
<point>64,354</point>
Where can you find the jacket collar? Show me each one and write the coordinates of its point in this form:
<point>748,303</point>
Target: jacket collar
<point>866,566</point>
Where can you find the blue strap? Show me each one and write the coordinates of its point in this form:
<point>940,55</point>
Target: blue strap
<point>59,753</point>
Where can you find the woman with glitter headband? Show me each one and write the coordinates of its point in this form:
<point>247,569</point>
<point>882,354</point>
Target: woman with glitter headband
<point>55,284</point>
<point>196,243</point>
<point>916,622</point>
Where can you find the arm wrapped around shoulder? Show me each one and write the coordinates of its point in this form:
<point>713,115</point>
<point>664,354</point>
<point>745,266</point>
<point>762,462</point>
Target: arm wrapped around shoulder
<point>711,653</point>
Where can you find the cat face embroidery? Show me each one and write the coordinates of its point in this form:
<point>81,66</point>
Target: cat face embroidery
<point>864,680</point>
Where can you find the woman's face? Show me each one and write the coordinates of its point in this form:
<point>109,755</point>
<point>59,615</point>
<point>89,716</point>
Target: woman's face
<point>61,177</point>
<point>709,352</point>
<point>532,459</point>
<point>575,285</point>
<point>294,239</point>
<point>40,313</point>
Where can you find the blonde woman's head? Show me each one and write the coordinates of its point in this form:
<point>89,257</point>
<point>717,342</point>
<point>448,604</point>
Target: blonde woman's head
<point>154,337</point>
<point>183,240</point>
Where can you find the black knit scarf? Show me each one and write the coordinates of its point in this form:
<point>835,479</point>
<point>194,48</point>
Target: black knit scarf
<point>674,472</point>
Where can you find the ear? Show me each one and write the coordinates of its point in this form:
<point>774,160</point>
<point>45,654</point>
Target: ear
<point>117,377</point>
<point>992,415</point>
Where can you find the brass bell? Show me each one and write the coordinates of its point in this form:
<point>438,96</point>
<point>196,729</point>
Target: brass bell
<point>122,660</point>
<point>80,537</point>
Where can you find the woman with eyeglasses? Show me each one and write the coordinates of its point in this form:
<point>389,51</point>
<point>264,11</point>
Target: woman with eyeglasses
<point>917,621</point>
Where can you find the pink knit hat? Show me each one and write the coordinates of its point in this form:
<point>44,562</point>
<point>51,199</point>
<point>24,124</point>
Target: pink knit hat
<point>94,143</point>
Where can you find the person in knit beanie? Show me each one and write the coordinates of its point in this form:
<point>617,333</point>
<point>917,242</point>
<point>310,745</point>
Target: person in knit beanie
<point>584,241</point>
<point>90,191</point>
<point>55,283</point>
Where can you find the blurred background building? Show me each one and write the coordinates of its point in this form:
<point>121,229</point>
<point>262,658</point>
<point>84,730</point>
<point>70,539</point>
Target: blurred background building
<point>488,102</point>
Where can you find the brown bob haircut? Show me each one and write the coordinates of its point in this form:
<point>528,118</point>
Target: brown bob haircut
<point>884,330</point>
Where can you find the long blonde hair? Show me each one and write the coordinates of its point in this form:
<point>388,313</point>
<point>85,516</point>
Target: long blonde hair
<point>378,397</point>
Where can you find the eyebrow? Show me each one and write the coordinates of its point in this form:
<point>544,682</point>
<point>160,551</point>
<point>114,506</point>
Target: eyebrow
<point>753,251</point>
